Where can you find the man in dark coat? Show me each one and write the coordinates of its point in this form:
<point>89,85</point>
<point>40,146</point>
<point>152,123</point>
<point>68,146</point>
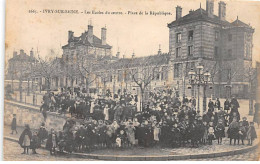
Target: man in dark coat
<point>185,100</point>
<point>13,125</point>
<point>211,105</point>
<point>234,103</point>
<point>25,139</point>
<point>227,105</point>
<point>217,104</point>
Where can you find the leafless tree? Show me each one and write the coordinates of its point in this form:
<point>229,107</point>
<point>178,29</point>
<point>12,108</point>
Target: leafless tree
<point>48,68</point>
<point>145,70</point>
<point>250,75</point>
<point>86,67</point>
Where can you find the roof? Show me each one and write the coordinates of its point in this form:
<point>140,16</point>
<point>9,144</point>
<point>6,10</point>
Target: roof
<point>83,40</point>
<point>137,62</point>
<point>201,15</point>
<point>239,23</point>
<point>23,57</point>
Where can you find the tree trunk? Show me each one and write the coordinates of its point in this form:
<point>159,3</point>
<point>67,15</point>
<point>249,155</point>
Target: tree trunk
<point>12,89</point>
<point>105,88</point>
<point>28,87</point>
<point>21,90</point>
<point>142,99</point>
<point>48,83</point>
<point>250,98</point>
<point>87,86</point>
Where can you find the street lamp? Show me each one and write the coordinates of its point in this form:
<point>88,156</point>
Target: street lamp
<point>200,78</point>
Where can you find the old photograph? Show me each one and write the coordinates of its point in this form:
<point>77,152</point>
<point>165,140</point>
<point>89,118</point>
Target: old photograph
<point>131,80</point>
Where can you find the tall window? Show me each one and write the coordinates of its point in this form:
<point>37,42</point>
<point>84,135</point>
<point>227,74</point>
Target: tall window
<point>230,37</point>
<point>230,53</point>
<point>177,70</point>
<point>226,73</point>
<point>164,73</point>
<point>189,66</point>
<point>190,36</point>
<point>190,50</point>
<point>216,35</point>
<point>248,53</point>
<point>156,74</point>
<point>178,37</point>
<point>110,77</point>
<point>178,52</point>
<point>216,52</point>
<point>57,81</point>
<point>119,76</point>
<point>127,75</point>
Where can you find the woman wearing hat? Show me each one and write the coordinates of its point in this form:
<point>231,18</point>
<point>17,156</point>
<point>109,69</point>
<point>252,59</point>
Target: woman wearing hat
<point>25,139</point>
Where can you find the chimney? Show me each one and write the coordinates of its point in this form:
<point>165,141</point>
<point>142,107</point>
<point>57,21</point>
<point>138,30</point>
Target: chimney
<point>222,10</point>
<point>123,56</point>
<point>118,53</point>
<point>90,33</point>
<point>70,36</point>
<point>178,12</point>
<point>31,53</point>
<point>104,36</point>
<point>159,51</point>
<point>14,53</point>
<point>190,11</point>
<point>210,8</point>
<point>133,56</point>
<point>21,51</point>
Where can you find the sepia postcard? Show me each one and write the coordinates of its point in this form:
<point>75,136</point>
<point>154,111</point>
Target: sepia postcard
<point>132,80</point>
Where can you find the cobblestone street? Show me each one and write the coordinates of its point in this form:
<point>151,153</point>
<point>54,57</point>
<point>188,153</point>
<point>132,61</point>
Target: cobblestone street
<point>12,152</point>
<point>249,156</point>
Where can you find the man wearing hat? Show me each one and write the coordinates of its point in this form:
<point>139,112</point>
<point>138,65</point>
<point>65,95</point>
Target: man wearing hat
<point>13,125</point>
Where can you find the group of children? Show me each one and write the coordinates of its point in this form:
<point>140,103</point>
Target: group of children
<point>92,134</point>
<point>240,131</point>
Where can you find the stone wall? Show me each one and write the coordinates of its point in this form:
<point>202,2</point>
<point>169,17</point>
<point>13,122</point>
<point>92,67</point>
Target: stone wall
<point>27,114</point>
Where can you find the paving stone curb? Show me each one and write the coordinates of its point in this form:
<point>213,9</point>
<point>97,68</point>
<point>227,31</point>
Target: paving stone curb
<point>157,158</point>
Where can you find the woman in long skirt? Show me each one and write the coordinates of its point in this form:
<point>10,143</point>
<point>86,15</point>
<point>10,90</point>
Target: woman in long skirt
<point>25,139</point>
<point>233,130</point>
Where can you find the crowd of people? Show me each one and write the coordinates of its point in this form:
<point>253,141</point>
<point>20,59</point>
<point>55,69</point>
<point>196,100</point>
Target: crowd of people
<point>114,122</point>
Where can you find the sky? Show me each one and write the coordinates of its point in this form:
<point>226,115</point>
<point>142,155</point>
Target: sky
<point>139,33</point>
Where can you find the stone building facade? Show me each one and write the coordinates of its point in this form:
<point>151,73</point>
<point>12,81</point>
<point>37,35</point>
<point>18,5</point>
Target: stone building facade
<point>223,48</point>
<point>20,64</point>
<point>87,48</point>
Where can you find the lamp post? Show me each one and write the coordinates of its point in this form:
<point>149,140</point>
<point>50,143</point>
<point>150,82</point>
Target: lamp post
<point>199,78</point>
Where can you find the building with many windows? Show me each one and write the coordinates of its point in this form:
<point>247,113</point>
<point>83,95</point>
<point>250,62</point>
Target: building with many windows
<point>78,52</point>
<point>224,48</point>
<point>199,38</point>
